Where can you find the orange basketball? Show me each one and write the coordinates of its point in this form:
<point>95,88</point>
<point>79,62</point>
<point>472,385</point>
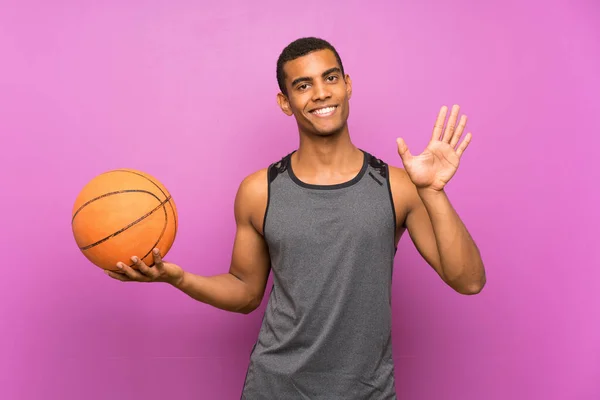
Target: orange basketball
<point>123,213</point>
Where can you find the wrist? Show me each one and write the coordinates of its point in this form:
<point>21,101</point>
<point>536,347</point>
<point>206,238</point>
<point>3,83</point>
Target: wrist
<point>179,281</point>
<point>427,192</point>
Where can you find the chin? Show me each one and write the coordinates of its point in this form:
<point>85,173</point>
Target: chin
<point>323,129</point>
<point>330,131</point>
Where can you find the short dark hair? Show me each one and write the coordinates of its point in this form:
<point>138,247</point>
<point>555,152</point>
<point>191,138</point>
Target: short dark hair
<point>298,48</point>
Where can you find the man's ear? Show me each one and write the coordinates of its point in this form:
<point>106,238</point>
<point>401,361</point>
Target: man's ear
<point>284,104</point>
<point>348,86</point>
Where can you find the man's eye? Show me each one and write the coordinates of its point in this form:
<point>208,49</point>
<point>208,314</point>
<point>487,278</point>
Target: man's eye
<point>303,86</point>
<point>332,78</point>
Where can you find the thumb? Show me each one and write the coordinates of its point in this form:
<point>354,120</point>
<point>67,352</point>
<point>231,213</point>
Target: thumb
<point>403,150</point>
<point>158,261</point>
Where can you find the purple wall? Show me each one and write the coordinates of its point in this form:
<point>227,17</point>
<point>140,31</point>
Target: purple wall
<point>186,92</point>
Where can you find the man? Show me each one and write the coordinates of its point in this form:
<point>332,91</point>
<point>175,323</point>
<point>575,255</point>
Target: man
<point>327,219</point>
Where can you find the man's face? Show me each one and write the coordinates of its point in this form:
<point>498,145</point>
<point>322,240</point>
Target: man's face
<point>318,94</point>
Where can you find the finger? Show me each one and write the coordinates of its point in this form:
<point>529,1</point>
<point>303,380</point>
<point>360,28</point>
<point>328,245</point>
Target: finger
<point>131,273</point>
<point>403,150</point>
<point>439,123</point>
<point>451,125</point>
<point>459,131</point>
<point>118,276</point>
<point>158,262</point>
<point>141,266</point>
<point>463,146</point>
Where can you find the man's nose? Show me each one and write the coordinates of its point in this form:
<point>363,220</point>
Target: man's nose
<point>321,92</point>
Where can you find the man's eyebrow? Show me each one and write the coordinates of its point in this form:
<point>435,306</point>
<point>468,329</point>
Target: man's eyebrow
<point>301,79</point>
<point>331,70</point>
<point>308,79</point>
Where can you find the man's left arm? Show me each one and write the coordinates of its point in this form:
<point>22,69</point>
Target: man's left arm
<point>459,257</point>
<point>439,234</point>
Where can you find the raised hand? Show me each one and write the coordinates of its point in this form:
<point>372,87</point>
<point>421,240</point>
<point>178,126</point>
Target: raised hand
<point>160,272</point>
<point>437,164</point>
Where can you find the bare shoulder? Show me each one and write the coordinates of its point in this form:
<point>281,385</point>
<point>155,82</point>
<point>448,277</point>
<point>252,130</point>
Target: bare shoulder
<point>255,185</point>
<point>398,176</point>
<point>404,192</point>
<point>251,199</point>
<point>400,182</point>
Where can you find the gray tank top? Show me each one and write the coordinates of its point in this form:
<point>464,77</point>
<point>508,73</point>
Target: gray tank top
<point>326,331</point>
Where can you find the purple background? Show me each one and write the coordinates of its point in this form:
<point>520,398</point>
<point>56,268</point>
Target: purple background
<point>185,90</point>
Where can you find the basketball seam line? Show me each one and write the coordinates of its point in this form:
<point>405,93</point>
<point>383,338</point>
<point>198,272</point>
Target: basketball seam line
<point>166,214</point>
<point>162,203</point>
<point>159,237</point>
<point>111,194</point>
<point>155,184</point>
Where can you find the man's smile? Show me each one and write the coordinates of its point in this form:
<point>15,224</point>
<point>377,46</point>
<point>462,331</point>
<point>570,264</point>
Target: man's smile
<point>324,111</point>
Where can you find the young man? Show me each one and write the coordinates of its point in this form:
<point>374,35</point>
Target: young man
<point>326,219</point>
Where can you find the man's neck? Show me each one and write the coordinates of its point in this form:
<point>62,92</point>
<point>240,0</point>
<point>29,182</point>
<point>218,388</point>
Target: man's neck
<point>326,154</point>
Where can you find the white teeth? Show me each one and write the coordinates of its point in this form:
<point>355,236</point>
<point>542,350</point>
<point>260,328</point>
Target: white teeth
<point>324,110</point>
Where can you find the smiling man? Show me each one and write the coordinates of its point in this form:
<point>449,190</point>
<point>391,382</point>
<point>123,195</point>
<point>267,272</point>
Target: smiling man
<point>326,220</point>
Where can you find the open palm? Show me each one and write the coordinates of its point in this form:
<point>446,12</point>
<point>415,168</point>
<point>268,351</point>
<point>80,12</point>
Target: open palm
<point>437,164</point>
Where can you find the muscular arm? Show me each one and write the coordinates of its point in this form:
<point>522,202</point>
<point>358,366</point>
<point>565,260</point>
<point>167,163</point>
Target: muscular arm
<point>241,289</point>
<point>438,233</point>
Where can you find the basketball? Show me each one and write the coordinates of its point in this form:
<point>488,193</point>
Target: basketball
<point>122,213</point>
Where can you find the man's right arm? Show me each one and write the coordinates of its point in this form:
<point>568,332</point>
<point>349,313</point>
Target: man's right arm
<point>242,288</point>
